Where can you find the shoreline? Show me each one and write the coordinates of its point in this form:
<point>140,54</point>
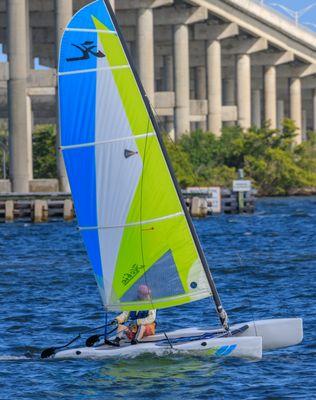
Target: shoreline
<point>295,192</point>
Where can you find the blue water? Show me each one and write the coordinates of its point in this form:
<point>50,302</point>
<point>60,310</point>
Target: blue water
<point>264,266</point>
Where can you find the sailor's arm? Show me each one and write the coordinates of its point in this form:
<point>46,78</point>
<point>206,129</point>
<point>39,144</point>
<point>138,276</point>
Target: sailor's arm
<point>123,317</point>
<point>149,319</point>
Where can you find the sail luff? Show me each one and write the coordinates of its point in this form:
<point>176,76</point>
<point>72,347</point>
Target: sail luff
<point>219,307</point>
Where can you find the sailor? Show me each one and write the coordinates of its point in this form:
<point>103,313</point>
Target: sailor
<point>142,323</point>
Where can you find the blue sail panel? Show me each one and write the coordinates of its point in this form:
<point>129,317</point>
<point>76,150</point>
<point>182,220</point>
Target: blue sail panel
<point>75,52</point>
<point>77,105</point>
<point>83,18</point>
<point>80,165</point>
<point>77,108</point>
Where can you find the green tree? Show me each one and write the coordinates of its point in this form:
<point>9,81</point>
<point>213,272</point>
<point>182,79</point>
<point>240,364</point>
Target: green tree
<point>201,148</point>
<point>44,152</point>
<point>270,158</point>
<point>180,162</point>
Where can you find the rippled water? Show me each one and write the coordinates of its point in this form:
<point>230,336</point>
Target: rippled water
<point>264,266</point>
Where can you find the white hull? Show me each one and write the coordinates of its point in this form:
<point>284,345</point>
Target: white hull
<point>275,333</point>
<point>244,347</point>
<point>263,334</point>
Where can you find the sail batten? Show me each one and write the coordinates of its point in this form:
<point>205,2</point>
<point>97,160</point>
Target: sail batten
<point>135,137</point>
<point>85,71</point>
<point>91,30</point>
<point>133,222</point>
<point>136,223</point>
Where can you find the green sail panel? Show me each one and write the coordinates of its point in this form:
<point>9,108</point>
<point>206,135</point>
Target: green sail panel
<point>139,226</point>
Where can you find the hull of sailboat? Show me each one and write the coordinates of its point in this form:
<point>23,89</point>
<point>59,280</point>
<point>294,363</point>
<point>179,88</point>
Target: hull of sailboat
<point>259,335</point>
<point>241,347</point>
<point>276,333</point>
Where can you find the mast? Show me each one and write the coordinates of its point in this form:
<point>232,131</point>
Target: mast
<point>219,307</point>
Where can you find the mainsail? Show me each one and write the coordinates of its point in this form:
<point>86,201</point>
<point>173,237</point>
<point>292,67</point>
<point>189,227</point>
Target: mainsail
<point>133,222</point>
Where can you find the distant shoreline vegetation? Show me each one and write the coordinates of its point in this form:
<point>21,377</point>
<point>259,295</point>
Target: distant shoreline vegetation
<point>270,158</point>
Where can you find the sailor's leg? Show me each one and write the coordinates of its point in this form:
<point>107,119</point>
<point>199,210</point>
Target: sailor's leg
<point>121,330</point>
<point>140,332</point>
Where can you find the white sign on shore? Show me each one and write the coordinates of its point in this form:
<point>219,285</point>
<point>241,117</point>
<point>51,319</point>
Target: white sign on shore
<point>241,186</point>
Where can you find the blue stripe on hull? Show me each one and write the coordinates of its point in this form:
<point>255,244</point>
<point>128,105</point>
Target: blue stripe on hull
<point>225,350</point>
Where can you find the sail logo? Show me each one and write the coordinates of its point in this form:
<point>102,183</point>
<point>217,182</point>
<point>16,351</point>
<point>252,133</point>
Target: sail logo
<point>87,49</point>
<point>129,153</point>
<point>134,270</point>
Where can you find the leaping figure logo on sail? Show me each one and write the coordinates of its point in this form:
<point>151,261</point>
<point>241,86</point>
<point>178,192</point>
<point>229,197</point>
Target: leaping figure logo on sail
<point>86,49</point>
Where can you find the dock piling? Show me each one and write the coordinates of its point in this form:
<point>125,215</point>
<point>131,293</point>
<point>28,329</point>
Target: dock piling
<point>9,211</point>
<point>68,210</point>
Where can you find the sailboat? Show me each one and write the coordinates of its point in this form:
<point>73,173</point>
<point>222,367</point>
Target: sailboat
<point>129,207</point>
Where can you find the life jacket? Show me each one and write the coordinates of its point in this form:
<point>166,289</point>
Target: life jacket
<point>134,315</point>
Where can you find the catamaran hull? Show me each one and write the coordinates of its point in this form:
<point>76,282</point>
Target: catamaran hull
<point>275,333</point>
<point>260,335</point>
<point>242,347</point>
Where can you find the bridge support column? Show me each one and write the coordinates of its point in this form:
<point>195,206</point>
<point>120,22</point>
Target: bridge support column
<point>229,92</point>
<point>304,124</point>
<point>63,12</point>
<point>200,78</point>
<point>296,106</point>
<point>270,95</point>
<point>314,110</point>
<point>214,86</point>
<point>256,108</point>
<point>182,79</point>
<point>168,87</point>
<point>168,73</point>
<point>145,50</point>
<point>29,132</point>
<point>243,68</point>
<point>280,114</point>
<point>17,103</point>
<point>229,96</point>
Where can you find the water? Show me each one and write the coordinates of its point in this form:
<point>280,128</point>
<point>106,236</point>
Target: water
<point>264,266</point>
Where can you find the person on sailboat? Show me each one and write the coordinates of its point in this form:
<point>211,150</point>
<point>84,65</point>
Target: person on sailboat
<point>142,322</point>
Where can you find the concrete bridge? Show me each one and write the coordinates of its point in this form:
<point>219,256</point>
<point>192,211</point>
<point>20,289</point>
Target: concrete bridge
<point>203,63</point>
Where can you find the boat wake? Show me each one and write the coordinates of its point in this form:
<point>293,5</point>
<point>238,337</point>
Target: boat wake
<point>16,358</point>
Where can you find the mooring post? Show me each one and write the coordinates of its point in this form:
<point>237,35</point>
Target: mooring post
<point>68,210</point>
<point>9,210</point>
<point>40,213</point>
<point>241,198</point>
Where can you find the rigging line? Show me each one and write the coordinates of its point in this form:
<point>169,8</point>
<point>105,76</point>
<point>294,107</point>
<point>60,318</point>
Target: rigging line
<point>141,230</point>
<point>241,264</point>
<point>158,119</point>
